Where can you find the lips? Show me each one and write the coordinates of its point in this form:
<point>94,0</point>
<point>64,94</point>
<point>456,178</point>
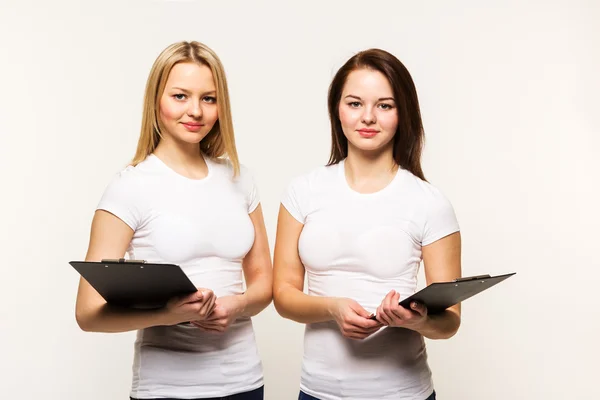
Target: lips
<point>192,126</point>
<point>368,132</point>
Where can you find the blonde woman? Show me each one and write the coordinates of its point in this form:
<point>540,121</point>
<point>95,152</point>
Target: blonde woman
<point>186,199</point>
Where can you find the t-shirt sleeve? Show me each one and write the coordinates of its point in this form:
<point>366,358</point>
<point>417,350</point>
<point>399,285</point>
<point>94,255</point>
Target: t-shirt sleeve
<point>120,198</point>
<point>295,199</point>
<point>249,188</point>
<point>440,219</point>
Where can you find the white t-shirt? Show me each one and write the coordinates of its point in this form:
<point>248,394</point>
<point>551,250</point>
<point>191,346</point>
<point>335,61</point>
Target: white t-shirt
<point>361,246</point>
<point>203,226</point>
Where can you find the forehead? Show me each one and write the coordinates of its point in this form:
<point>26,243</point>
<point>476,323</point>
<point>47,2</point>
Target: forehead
<point>191,76</point>
<point>363,82</point>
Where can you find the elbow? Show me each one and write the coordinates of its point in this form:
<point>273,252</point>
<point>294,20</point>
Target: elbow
<point>451,329</point>
<point>86,320</point>
<point>279,303</point>
<point>267,297</point>
<point>454,331</point>
<point>83,321</point>
<point>448,334</point>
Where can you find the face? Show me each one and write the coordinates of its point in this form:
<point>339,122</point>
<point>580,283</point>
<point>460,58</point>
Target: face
<point>188,105</point>
<point>368,111</point>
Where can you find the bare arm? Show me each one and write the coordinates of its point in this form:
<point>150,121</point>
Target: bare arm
<point>288,284</point>
<point>258,269</point>
<point>292,303</point>
<point>258,272</point>
<point>442,264</point>
<point>109,238</point>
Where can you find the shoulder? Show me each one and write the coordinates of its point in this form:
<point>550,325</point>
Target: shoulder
<point>315,179</point>
<point>128,178</point>
<point>422,191</point>
<point>134,182</point>
<point>223,167</point>
<point>434,212</point>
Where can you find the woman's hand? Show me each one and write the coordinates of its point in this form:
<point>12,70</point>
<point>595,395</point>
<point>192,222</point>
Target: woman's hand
<point>353,320</point>
<point>227,310</point>
<point>193,307</point>
<point>390,313</point>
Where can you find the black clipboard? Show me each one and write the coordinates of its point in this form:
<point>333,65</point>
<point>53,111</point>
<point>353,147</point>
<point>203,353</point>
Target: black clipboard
<point>438,296</point>
<point>135,283</point>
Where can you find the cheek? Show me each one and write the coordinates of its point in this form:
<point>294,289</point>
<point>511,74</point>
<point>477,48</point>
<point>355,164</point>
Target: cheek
<point>211,114</point>
<point>347,116</point>
<point>169,110</point>
<point>389,122</point>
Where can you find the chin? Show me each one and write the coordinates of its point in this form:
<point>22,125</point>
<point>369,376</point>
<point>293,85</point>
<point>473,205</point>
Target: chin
<point>192,137</point>
<point>368,145</point>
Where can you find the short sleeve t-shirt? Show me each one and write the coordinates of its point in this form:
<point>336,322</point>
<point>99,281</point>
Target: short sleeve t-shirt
<point>203,226</point>
<point>361,246</point>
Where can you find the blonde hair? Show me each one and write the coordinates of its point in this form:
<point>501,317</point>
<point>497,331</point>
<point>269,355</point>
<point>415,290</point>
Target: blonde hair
<point>220,141</point>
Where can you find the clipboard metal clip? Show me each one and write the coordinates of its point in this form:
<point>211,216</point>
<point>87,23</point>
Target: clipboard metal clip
<point>472,278</point>
<point>122,261</point>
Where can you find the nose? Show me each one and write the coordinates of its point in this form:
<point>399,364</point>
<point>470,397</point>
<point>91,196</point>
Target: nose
<point>195,109</point>
<point>368,116</point>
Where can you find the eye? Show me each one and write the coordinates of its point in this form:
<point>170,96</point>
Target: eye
<point>179,96</point>
<point>210,99</point>
<point>386,106</point>
<point>354,104</point>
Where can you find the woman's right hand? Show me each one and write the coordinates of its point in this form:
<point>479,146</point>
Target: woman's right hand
<point>194,307</point>
<point>353,320</point>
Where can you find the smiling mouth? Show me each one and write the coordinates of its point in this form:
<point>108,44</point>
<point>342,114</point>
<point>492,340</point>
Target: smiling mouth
<point>192,126</point>
<point>368,132</point>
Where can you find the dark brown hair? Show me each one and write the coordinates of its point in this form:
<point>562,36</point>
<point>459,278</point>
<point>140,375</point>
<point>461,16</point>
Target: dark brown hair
<point>409,137</point>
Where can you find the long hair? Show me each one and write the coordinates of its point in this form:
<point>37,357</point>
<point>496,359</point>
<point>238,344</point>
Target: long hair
<point>409,137</point>
<point>220,141</point>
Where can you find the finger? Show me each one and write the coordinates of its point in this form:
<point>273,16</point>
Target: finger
<point>419,308</point>
<point>199,326</point>
<point>364,323</point>
<point>214,312</point>
<point>403,313</point>
<point>370,331</point>
<point>214,315</point>
<point>383,317</point>
<point>360,311</point>
<point>387,302</point>
<point>191,298</point>
<point>213,304</point>
<point>360,331</point>
<point>206,292</point>
<point>206,309</point>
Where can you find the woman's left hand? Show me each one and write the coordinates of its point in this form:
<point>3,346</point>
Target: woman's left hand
<point>227,310</point>
<point>390,313</point>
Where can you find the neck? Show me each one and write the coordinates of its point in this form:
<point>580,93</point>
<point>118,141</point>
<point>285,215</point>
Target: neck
<point>185,158</point>
<point>362,166</point>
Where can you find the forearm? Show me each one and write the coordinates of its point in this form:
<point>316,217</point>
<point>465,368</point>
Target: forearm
<point>440,326</point>
<point>294,304</point>
<point>109,319</point>
<point>257,297</point>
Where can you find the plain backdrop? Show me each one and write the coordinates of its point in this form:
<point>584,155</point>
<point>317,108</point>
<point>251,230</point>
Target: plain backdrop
<point>509,97</point>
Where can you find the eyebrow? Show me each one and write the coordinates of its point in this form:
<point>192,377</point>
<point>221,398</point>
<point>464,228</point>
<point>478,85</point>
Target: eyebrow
<point>381,99</point>
<point>187,91</point>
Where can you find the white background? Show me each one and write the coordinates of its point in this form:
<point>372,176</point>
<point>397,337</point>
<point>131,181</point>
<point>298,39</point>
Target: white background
<point>509,96</point>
